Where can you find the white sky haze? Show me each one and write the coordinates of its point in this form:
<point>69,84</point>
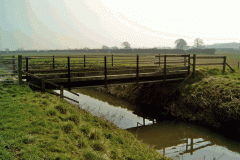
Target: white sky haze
<point>62,24</point>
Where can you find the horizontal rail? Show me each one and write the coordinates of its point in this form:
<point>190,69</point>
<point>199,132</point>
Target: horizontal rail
<point>207,57</point>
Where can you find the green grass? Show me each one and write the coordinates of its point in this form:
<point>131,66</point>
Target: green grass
<point>42,126</point>
<point>212,98</point>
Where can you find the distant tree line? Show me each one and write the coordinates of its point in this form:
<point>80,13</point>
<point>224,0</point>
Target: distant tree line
<point>153,51</point>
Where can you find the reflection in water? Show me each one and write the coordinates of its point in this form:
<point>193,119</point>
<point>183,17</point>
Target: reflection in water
<point>184,141</point>
<point>172,138</point>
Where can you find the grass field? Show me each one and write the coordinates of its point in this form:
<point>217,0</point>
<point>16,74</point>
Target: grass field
<point>42,126</point>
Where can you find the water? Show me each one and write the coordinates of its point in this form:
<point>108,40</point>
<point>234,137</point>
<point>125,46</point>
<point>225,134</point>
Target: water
<point>174,139</point>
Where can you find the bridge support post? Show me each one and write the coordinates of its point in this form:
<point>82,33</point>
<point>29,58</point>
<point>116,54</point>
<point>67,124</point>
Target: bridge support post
<point>224,64</point>
<point>43,84</point>
<point>61,91</point>
<point>194,64</point>
<point>105,70</point>
<point>20,69</point>
<point>137,71</point>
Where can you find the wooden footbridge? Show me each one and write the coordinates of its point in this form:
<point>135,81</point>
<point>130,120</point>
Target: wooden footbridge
<point>104,70</point>
<point>51,72</point>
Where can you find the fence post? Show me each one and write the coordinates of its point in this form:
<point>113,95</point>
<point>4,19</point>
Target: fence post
<point>53,63</point>
<point>224,64</point>
<point>137,72</point>
<point>43,84</point>
<point>61,91</point>
<point>105,70</point>
<point>69,76</point>
<point>194,64</point>
<point>20,69</point>
<point>165,67</point>
<point>238,64</point>
<point>84,61</point>
<point>112,60</point>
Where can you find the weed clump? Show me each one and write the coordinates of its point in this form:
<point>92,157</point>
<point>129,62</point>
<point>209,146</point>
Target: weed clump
<point>51,113</point>
<point>75,118</point>
<point>62,109</point>
<point>67,128</point>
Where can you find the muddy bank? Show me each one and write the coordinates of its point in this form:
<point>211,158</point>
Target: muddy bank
<point>211,102</point>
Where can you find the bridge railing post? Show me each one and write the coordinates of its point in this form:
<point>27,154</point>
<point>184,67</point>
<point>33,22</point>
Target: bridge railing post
<point>69,76</point>
<point>112,60</point>
<point>84,61</point>
<point>105,70</point>
<point>53,63</point>
<point>165,67</point>
<point>189,63</point>
<point>224,64</point>
<point>159,60</point>
<point>194,64</point>
<point>137,71</point>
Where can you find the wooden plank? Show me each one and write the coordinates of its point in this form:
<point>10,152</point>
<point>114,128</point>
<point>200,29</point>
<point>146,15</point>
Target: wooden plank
<point>208,57</point>
<point>210,64</point>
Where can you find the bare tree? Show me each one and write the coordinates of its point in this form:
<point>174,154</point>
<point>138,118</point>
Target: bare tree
<point>198,43</point>
<point>126,45</point>
<point>181,44</point>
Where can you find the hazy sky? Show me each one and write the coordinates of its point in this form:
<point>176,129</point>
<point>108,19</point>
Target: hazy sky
<point>62,24</point>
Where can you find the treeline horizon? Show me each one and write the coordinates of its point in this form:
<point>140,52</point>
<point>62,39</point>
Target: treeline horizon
<point>153,50</point>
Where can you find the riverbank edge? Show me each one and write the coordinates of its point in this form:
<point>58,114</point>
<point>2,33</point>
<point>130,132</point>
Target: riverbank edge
<point>210,99</point>
<point>38,125</point>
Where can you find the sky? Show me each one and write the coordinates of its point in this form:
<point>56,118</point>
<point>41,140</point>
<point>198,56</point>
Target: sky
<point>75,24</point>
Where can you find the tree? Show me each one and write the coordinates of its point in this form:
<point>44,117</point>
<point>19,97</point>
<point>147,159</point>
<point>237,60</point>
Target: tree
<point>181,44</point>
<point>105,47</point>
<point>114,47</point>
<point>126,45</point>
<point>198,43</point>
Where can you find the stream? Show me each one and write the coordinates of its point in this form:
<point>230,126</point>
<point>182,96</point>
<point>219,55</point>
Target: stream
<point>175,139</point>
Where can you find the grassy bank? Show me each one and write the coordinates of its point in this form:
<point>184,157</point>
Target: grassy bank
<point>211,98</point>
<point>41,126</point>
